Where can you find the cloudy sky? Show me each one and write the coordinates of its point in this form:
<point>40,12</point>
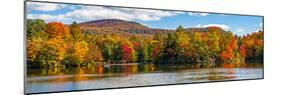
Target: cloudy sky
<point>67,13</point>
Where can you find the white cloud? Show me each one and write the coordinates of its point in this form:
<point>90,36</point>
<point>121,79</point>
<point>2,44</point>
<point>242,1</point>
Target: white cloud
<point>261,24</point>
<point>197,14</point>
<point>98,12</point>
<point>93,13</point>
<point>198,26</point>
<point>222,26</point>
<point>46,17</point>
<point>258,30</point>
<point>86,13</point>
<point>240,30</point>
<point>44,6</point>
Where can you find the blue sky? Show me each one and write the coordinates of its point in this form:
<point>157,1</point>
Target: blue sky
<point>67,13</point>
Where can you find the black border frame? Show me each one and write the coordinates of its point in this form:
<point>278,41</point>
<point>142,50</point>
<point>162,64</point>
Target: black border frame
<point>25,52</point>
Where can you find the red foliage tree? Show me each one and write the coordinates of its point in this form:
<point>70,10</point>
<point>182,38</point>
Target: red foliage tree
<point>243,50</point>
<point>228,53</point>
<point>127,52</point>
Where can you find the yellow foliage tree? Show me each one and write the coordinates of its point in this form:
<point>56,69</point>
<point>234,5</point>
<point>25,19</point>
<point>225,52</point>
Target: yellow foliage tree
<point>33,46</point>
<point>81,49</point>
<point>59,47</point>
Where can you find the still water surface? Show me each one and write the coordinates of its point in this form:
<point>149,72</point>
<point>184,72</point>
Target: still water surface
<point>112,76</point>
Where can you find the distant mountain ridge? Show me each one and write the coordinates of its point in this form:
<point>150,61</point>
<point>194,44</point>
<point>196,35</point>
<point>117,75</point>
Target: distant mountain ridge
<point>121,26</point>
<point>113,23</point>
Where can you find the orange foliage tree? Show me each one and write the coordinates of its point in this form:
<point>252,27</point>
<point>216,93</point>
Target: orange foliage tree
<point>57,29</point>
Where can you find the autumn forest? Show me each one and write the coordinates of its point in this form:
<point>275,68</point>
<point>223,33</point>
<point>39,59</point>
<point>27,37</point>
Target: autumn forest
<point>80,44</point>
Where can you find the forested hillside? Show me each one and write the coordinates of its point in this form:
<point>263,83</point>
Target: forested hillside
<point>113,41</point>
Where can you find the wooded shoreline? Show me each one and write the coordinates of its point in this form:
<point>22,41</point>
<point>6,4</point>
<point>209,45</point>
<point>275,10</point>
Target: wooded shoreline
<point>55,44</point>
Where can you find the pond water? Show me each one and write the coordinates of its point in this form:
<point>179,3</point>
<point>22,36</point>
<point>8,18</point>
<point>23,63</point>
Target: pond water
<point>112,76</point>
